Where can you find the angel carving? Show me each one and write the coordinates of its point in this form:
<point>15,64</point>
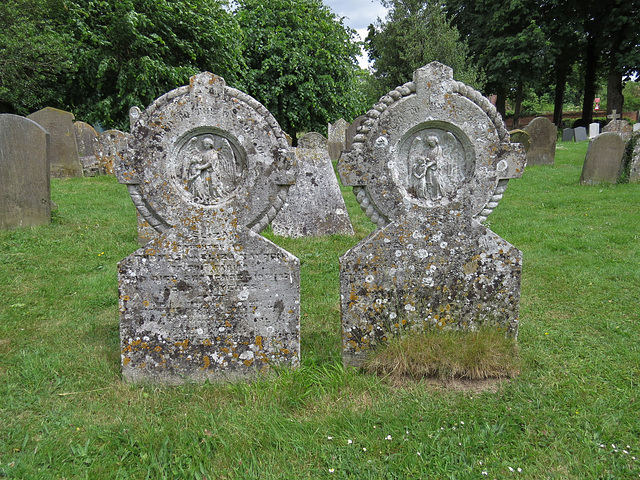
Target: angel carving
<point>210,170</point>
<point>425,158</point>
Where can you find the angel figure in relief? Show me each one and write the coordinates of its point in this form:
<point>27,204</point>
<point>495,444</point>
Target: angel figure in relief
<point>425,158</point>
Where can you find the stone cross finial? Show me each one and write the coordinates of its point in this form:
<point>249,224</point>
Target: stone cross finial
<point>614,115</point>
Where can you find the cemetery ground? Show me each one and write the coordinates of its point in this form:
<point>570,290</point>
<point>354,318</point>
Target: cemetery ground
<point>572,413</point>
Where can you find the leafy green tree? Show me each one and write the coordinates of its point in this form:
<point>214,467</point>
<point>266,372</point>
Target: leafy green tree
<point>415,33</point>
<point>130,52</point>
<point>34,55</point>
<point>301,62</point>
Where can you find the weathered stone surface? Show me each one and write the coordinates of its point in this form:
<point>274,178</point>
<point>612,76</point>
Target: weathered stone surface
<point>594,130</point>
<point>636,127</point>
<point>110,147</point>
<point>314,206</point>
<point>603,162</point>
<point>568,135</point>
<point>543,142</point>
<point>25,195</point>
<point>208,298</point>
<point>352,131</point>
<point>522,137</point>
<point>431,161</point>
<point>634,168</point>
<point>580,134</point>
<point>621,127</point>
<point>337,138</point>
<point>63,149</point>
<point>85,138</point>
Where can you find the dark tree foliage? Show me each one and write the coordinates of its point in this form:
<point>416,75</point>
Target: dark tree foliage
<point>301,62</point>
<point>415,33</point>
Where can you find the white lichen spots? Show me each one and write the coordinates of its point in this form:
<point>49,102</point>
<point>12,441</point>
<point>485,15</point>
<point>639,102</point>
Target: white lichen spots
<point>393,315</point>
<point>433,268</point>
<point>199,331</point>
<point>247,355</point>
<point>339,211</point>
<point>421,253</point>
<point>409,308</point>
<point>369,279</point>
<point>387,240</point>
<point>381,142</point>
<point>415,235</point>
<point>428,282</point>
<point>443,245</point>
<point>502,165</point>
<point>410,246</point>
<point>221,329</point>
<point>398,253</point>
<point>392,271</point>
<point>270,330</point>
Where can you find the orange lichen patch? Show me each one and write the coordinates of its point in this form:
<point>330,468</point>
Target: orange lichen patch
<point>126,361</point>
<point>352,344</point>
<point>248,363</point>
<point>145,303</point>
<point>183,344</point>
<point>150,251</point>
<point>207,342</point>
<point>284,351</point>
<point>225,350</point>
<point>207,363</point>
<point>144,345</point>
<point>126,298</point>
<point>157,349</point>
<point>136,342</point>
<point>259,341</point>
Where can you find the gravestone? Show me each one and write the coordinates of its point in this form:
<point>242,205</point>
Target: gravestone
<point>430,163</point>
<point>63,148</point>
<point>352,131</point>
<point>522,137</point>
<point>636,127</point>
<point>603,162</point>
<point>634,167</point>
<point>209,297</point>
<point>314,206</point>
<point>110,147</point>
<point>594,130</point>
<point>25,195</point>
<point>544,135</point>
<point>567,135</point>
<point>337,136</point>
<point>621,127</point>
<point>580,134</point>
<point>85,138</point>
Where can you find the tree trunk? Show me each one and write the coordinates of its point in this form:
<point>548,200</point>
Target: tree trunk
<point>561,85</point>
<point>591,66</point>
<point>501,100</point>
<point>615,98</point>
<point>516,112</point>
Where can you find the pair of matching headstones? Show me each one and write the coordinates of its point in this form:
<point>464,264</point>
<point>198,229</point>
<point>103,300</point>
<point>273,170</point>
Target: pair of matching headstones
<point>209,167</point>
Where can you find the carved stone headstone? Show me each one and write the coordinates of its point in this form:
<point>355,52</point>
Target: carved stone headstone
<point>86,137</point>
<point>603,162</point>
<point>522,137</point>
<point>314,206</point>
<point>634,168</point>
<point>64,161</point>
<point>567,135</point>
<point>337,137</point>
<point>621,127</point>
<point>209,297</point>
<point>352,131</point>
<point>25,195</point>
<point>543,142</point>
<point>110,147</point>
<point>580,134</point>
<point>431,163</point>
<point>594,130</point>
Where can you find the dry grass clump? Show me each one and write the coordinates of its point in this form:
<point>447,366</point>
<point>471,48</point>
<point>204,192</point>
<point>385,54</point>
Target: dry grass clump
<point>447,355</point>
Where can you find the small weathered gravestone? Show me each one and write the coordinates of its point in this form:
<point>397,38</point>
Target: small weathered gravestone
<point>110,147</point>
<point>85,137</point>
<point>621,127</point>
<point>209,297</point>
<point>603,162</point>
<point>594,130</point>
<point>522,137</point>
<point>634,167</point>
<point>430,163</point>
<point>63,150</point>
<point>314,206</point>
<point>636,127</point>
<point>337,137</point>
<point>25,195</point>
<point>567,135</point>
<point>581,134</point>
<point>352,131</point>
<point>544,135</point>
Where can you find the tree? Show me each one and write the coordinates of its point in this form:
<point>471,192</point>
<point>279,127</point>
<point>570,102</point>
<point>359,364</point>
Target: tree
<point>415,33</point>
<point>132,51</point>
<point>301,62</point>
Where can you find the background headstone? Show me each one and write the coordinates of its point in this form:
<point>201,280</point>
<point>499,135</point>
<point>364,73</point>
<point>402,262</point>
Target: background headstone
<point>621,127</point>
<point>567,135</point>
<point>337,137</point>
<point>63,148</point>
<point>544,135</point>
<point>314,206</point>
<point>25,195</point>
<point>594,130</point>
<point>636,127</point>
<point>603,162</point>
<point>85,138</point>
<point>352,131</point>
<point>581,134</point>
<point>208,298</point>
<point>521,137</point>
<point>634,168</point>
<point>430,164</point>
<point>110,146</point>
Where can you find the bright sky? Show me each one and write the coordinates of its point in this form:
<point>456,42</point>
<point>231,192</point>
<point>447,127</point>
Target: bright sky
<point>358,15</point>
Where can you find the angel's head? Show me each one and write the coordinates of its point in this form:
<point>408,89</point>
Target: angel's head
<point>207,142</point>
<point>432,141</point>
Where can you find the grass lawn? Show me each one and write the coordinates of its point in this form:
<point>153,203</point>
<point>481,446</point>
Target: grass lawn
<point>572,413</point>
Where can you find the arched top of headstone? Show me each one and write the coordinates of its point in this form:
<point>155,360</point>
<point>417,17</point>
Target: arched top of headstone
<point>205,154</point>
<point>312,140</point>
<point>433,143</point>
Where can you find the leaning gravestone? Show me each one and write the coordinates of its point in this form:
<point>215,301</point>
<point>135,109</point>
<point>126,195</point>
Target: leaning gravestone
<point>581,134</point>
<point>337,134</point>
<point>621,127</point>
<point>85,137</point>
<point>603,162</point>
<point>110,147</point>
<point>567,135</point>
<point>64,161</point>
<point>543,142</point>
<point>208,298</point>
<point>431,163</point>
<point>314,206</point>
<point>25,195</point>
